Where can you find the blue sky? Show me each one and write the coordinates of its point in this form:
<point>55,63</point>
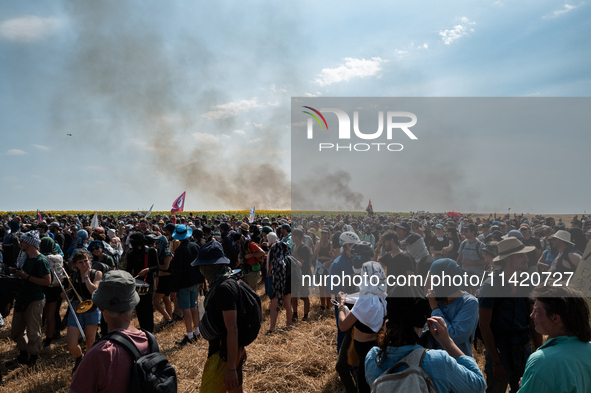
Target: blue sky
<point>163,97</point>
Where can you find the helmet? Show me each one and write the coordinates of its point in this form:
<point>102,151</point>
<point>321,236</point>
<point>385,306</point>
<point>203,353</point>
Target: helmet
<point>347,238</point>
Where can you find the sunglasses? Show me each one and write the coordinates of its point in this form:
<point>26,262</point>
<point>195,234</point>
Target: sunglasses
<point>94,248</point>
<point>524,229</point>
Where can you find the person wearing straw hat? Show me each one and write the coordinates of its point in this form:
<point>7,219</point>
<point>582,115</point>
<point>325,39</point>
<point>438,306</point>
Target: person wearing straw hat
<point>504,309</point>
<point>568,257</point>
<point>106,367</point>
<point>33,269</point>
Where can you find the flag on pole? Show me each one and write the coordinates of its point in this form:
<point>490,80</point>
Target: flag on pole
<point>38,217</point>
<point>149,212</point>
<point>251,218</point>
<point>94,222</point>
<point>369,209</point>
<point>179,204</point>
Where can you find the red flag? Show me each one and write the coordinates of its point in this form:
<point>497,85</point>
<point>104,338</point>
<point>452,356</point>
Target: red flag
<point>39,219</point>
<point>369,209</point>
<point>179,204</point>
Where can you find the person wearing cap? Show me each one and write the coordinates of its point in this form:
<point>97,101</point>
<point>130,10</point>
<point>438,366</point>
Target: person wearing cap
<point>142,263</point>
<point>407,310</point>
<point>58,236</point>
<point>438,242</point>
<point>225,358</point>
<point>563,362</point>
<point>503,312</point>
<point>100,260</point>
<point>80,243</point>
<point>106,367</point>
<point>186,282</point>
<point>567,258</point>
<point>33,268</point>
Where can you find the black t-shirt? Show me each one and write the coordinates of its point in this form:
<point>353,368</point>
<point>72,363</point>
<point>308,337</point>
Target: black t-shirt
<point>398,265</point>
<point>439,244</point>
<point>304,254</point>
<point>225,298</point>
<point>532,241</point>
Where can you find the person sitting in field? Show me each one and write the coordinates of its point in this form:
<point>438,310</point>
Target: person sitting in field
<point>450,369</point>
<point>563,362</point>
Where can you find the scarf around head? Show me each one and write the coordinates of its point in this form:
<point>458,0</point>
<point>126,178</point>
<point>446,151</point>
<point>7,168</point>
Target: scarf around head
<point>221,273</point>
<point>48,246</point>
<point>370,308</point>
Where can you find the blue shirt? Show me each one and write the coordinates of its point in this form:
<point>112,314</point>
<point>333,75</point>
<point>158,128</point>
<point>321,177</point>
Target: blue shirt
<point>460,375</point>
<point>461,318</point>
<point>561,364</point>
<point>341,267</point>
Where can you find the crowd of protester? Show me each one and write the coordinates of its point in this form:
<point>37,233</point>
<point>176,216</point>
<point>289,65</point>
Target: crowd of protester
<point>129,264</point>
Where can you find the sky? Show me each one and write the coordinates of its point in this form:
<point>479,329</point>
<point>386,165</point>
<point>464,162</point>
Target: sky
<point>118,105</point>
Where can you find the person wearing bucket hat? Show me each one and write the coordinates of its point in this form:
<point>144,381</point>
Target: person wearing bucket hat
<point>567,258</point>
<point>33,269</point>
<point>142,263</point>
<point>107,365</point>
<point>504,310</point>
<point>187,281</point>
<point>223,368</point>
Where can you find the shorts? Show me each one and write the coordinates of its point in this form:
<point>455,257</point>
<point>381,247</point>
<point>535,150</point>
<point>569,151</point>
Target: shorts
<point>187,297</point>
<point>214,371</point>
<point>252,279</point>
<point>52,294</point>
<point>86,318</point>
<point>164,285</point>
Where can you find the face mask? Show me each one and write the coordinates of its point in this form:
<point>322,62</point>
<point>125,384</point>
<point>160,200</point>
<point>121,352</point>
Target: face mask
<point>440,238</point>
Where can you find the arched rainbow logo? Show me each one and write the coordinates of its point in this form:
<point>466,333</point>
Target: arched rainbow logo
<point>318,113</point>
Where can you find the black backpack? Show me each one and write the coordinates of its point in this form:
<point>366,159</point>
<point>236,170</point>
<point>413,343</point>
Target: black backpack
<point>150,373</point>
<point>249,315</point>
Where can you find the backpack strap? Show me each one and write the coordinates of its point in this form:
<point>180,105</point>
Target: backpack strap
<point>413,359</point>
<point>126,342</point>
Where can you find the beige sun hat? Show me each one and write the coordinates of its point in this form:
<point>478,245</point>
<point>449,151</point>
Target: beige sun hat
<point>564,236</point>
<point>511,246</point>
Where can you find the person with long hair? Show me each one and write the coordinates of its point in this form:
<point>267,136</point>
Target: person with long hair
<point>563,362</point>
<point>85,281</point>
<point>450,370</point>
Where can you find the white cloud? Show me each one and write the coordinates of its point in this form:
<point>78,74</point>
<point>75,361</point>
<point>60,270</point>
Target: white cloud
<point>425,46</point>
<point>205,138</point>
<point>557,13</point>
<point>230,109</point>
<point>42,147</point>
<point>225,136</point>
<point>256,125</point>
<point>254,140</point>
<point>450,35</point>
<point>352,68</point>
<point>28,28</point>
<point>317,94</point>
<point>15,152</point>
<point>239,132</point>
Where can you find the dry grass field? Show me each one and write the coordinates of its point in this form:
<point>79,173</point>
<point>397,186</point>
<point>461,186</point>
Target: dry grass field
<point>298,360</point>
